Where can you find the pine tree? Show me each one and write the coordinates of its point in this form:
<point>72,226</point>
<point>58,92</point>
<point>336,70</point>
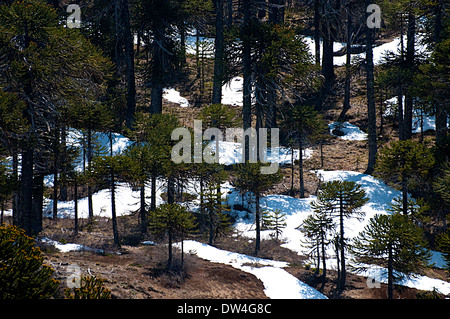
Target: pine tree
<point>303,125</point>
<point>341,200</point>
<point>371,111</point>
<point>317,228</point>
<point>138,161</point>
<point>403,164</point>
<point>249,179</point>
<point>173,220</point>
<point>391,241</point>
<point>47,65</point>
<point>212,206</point>
<point>107,168</point>
<point>277,222</point>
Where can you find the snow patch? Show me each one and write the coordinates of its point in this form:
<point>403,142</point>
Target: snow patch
<point>174,96</point>
<point>278,283</point>
<point>65,248</point>
<point>351,132</point>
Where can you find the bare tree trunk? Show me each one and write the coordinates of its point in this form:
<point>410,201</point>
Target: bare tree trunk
<point>346,105</point>
<point>55,174</point>
<point>258,226</point>
<point>158,68</point>
<point>390,273</point>
<point>410,34</point>
<point>113,196</point>
<point>218,58</point>
<point>124,56</point>
<point>317,31</point>
<point>143,211</point>
<point>75,195</point>
<point>300,169</point>
<point>26,192</point>
<point>371,109</point>
<point>247,64</point>
<point>38,203</point>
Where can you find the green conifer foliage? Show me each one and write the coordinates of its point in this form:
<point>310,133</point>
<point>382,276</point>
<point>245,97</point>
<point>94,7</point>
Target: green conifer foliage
<point>392,241</point>
<point>173,220</point>
<point>22,272</point>
<point>91,287</point>
<point>341,200</point>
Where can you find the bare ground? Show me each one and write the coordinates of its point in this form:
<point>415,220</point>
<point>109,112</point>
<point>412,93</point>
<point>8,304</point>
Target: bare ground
<point>137,271</point>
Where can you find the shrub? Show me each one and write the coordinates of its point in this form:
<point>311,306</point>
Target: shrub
<point>22,272</point>
<point>91,287</point>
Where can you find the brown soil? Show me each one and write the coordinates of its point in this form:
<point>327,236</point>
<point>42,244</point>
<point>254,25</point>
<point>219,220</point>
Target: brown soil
<point>138,271</point>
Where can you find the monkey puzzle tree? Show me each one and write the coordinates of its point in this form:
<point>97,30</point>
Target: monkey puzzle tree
<point>48,66</point>
<point>403,164</point>
<point>250,179</point>
<point>341,200</point>
<point>22,271</point>
<point>393,241</point>
<point>173,220</point>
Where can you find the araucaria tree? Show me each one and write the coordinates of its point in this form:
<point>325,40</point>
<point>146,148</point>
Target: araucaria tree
<point>303,124</point>
<point>341,200</point>
<point>404,164</point>
<point>250,179</point>
<point>172,220</point>
<point>317,228</point>
<point>391,241</point>
<point>22,271</point>
<point>48,66</point>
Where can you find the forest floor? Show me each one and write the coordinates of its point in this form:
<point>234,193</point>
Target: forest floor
<point>138,271</point>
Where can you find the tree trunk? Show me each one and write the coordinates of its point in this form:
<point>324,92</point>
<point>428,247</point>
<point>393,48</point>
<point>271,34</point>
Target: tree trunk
<point>65,165</point>
<point>143,211</point>
<point>346,105</point>
<point>404,197</point>
<point>113,209</point>
<point>55,174</point>
<point>170,190</point>
<point>247,85</point>
<point>300,169</point>
<point>258,226</point>
<point>15,196</point>
<point>401,123</point>
<point>324,265</point>
<point>158,68</point>
<point>129,63</point>
<point>229,13</point>
<point>292,171</point>
<point>153,193</point>
<point>218,57</point>
<point>26,192</point>
<point>410,34</point>
<point>89,188</point>
<point>327,60</point>
<point>390,273</point>
<point>169,260</point>
<point>441,123</point>
<point>75,195</point>
<point>211,226</point>
<point>317,31</point>
<point>371,109</point>
<point>342,243</point>
<point>38,203</point>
